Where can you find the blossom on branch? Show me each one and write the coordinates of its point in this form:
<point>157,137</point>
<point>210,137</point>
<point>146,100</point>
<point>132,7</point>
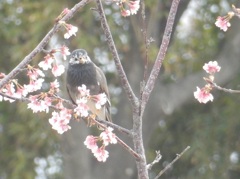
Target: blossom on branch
<point>101,154</point>
<point>128,7</point>
<point>223,22</point>
<point>108,136</point>
<point>58,70</point>
<point>211,67</point>
<point>47,63</point>
<point>91,143</point>
<point>203,95</point>
<point>60,120</point>
<point>64,51</point>
<point>100,100</point>
<point>71,30</point>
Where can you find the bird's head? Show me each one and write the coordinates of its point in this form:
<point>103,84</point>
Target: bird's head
<point>79,56</point>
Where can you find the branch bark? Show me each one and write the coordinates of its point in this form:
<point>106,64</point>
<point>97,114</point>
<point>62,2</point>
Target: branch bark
<point>161,54</point>
<point>125,84</point>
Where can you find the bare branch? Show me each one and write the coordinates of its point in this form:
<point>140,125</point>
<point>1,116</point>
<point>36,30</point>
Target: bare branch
<point>125,84</point>
<point>115,126</point>
<point>156,160</point>
<point>161,54</point>
<point>223,89</point>
<point>170,164</point>
<point>42,44</point>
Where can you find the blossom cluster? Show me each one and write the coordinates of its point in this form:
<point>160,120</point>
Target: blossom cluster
<point>105,138</point>
<point>224,22</point>
<point>128,7</point>
<point>203,95</point>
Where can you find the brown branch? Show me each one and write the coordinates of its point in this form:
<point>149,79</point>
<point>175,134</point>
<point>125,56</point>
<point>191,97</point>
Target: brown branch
<point>42,44</point>
<point>170,164</point>
<point>125,84</point>
<point>223,89</point>
<point>115,126</point>
<point>161,54</point>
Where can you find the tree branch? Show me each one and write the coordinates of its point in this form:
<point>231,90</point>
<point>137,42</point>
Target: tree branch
<point>161,54</point>
<point>170,164</point>
<point>42,44</point>
<point>124,81</point>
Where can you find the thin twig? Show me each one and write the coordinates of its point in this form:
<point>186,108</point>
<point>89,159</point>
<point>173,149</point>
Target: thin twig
<point>115,126</point>
<point>125,84</point>
<point>42,44</point>
<point>161,54</point>
<point>156,160</point>
<point>224,89</point>
<point>170,164</point>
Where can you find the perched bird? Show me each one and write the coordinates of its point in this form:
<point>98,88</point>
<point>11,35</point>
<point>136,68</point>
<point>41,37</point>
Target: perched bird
<point>81,70</point>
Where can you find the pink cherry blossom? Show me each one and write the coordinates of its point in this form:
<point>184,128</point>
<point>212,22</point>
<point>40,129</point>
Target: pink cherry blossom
<point>101,154</point>
<point>54,86</point>
<point>58,70</point>
<point>47,63</point>
<point>84,92</point>
<point>100,99</point>
<point>34,73</point>
<point>34,85</point>
<point>64,51</point>
<point>82,107</point>
<point>125,13</point>
<point>71,30</point>
<point>211,67</point>
<point>60,120</point>
<point>39,105</point>
<point>10,91</point>
<point>134,6</point>
<point>223,23</point>
<point>203,95</point>
<point>91,143</point>
<point>21,92</point>
<point>108,136</point>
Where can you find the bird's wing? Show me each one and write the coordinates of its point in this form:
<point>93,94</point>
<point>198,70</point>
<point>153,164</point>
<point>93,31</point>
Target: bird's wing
<point>71,94</point>
<point>104,89</point>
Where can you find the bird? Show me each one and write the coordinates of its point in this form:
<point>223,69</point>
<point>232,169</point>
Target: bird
<point>82,71</point>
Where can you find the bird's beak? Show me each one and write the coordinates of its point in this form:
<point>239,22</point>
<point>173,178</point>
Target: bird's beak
<point>82,60</point>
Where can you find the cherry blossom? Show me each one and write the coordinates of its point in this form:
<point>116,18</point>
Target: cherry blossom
<point>223,22</point>
<point>60,120</point>
<point>64,51</point>
<point>58,70</point>
<point>134,6</point>
<point>108,137</point>
<point>34,73</point>
<point>101,154</point>
<point>100,99</point>
<point>47,63</point>
<point>71,30</point>
<point>211,67</point>
<point>84,92</point>
<point>203,95</point>
<point>34,85</point>
<point>39,105</point>
<point>125,13</point>
<point>10,91</point>
<point>54,86</point>
<point>91,143</point>
<point>82,108</point>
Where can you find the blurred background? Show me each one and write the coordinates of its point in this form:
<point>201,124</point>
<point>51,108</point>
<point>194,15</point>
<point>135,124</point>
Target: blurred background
<point>173,119</point>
